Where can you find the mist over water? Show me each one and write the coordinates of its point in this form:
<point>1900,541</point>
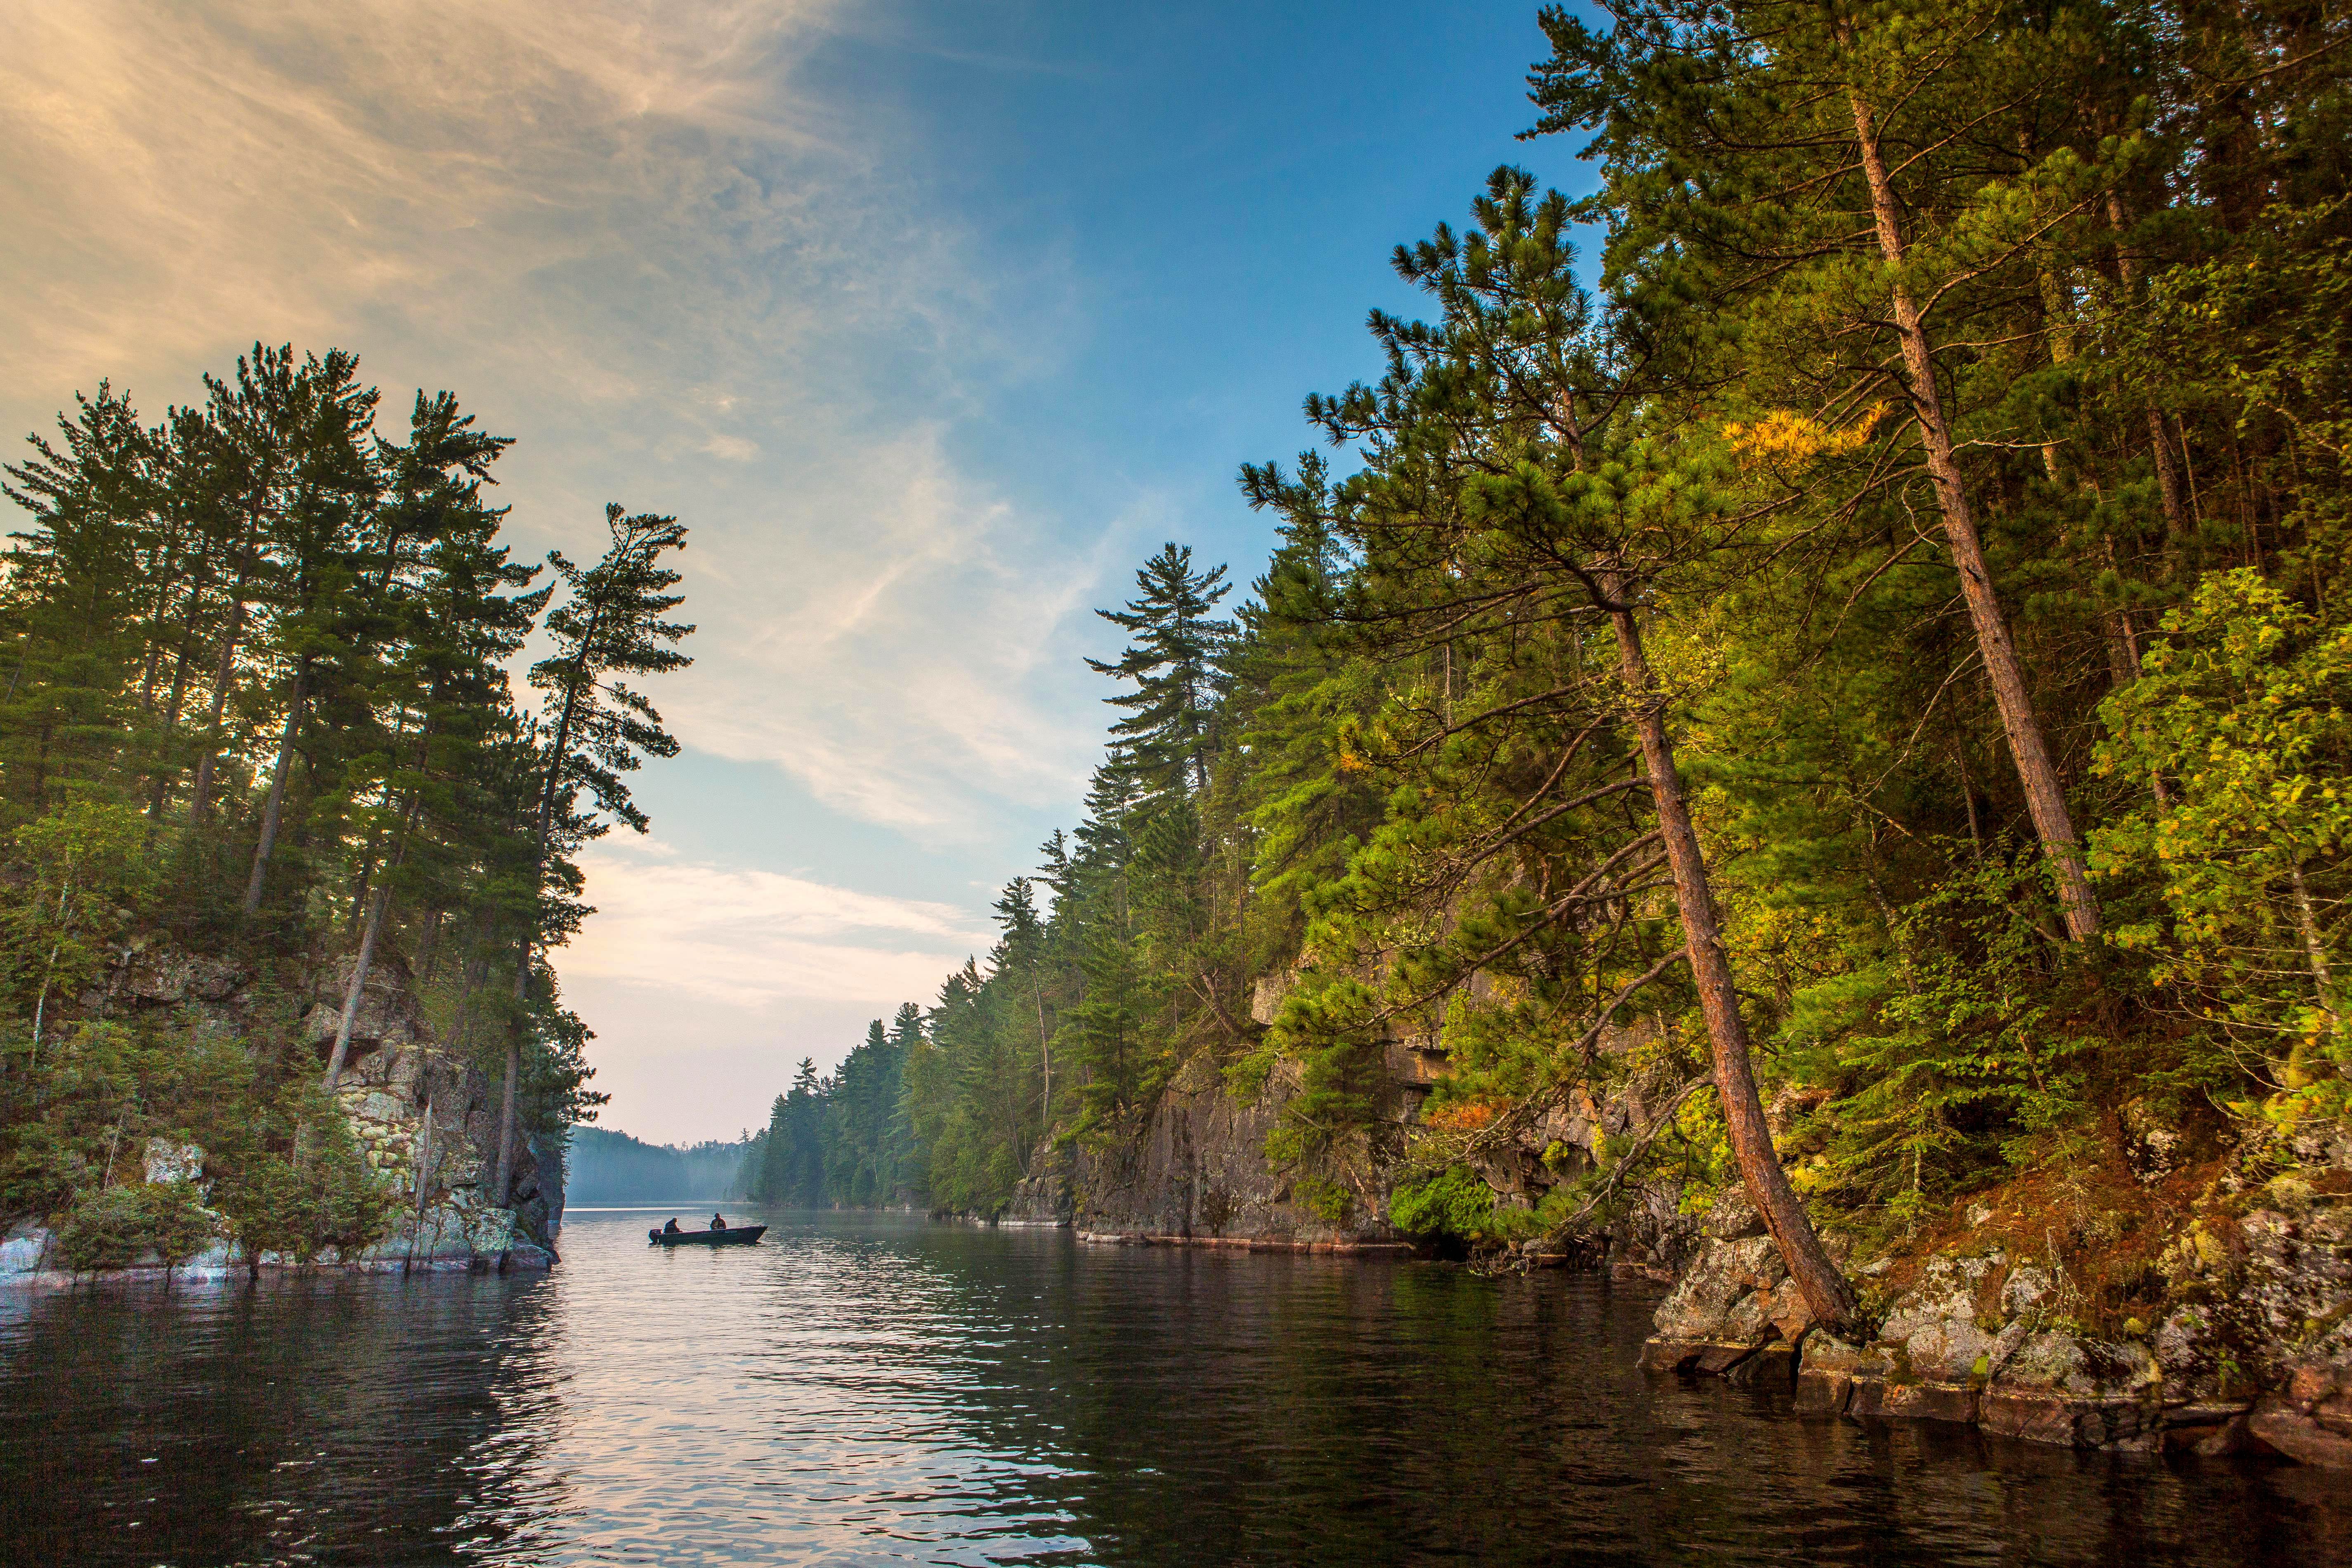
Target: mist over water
<point>864,1388</point>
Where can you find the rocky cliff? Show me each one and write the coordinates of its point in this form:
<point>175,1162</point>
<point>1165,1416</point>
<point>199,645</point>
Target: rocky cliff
<point>426,1120</point>
<point>2234,1332</point>
<point>1198,1175</point>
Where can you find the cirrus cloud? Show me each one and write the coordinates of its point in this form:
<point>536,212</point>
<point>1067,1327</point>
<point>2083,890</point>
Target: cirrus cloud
<point>746,937</point>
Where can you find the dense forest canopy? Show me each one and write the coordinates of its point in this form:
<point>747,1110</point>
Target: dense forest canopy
<point>1884,648</point>
<point>258,711</point>
<point>1869,659</point>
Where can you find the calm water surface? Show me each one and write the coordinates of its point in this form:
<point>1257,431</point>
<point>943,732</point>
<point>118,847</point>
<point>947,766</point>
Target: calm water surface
<point>867,1390</point>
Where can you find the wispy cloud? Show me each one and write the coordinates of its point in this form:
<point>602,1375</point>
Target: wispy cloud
<point>897,642</point>
<point>639,237</point>
<point>182,173</point>
<point>751,938</point>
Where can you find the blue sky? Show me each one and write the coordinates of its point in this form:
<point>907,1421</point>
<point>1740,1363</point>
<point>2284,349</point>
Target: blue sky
<point>932,320</point>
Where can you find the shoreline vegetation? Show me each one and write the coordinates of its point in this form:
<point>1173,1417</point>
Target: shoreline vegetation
<point>1811,760</point>
<point>1825,750</point>
<point>281,856</point>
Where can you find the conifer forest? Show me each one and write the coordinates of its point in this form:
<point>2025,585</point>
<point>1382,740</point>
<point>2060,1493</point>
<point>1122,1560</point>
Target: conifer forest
<point>259,712</point>
<point>1845,625</point>
<point>1842,632</point>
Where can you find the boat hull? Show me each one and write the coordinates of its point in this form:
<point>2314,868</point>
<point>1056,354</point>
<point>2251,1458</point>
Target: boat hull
<point>733,1235</point>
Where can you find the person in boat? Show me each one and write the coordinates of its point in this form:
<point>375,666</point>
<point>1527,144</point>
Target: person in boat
<point>718,1222</point>
<point>671,1228</point>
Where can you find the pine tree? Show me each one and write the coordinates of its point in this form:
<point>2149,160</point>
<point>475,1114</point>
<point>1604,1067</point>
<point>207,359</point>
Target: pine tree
<point>1023,951</point>
<point>1174,664</point>
<point>299,626</point>
<point>1749,178</point>
<point>609,626</point>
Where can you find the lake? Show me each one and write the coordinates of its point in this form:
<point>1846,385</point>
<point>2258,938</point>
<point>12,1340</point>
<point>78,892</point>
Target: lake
<point>880,1389</point>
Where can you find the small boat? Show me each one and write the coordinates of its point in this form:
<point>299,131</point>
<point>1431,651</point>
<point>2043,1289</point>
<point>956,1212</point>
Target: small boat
<point>733,1235</point>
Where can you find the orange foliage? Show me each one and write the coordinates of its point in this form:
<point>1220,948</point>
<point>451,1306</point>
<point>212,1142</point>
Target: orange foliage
<point>1468,1116</point>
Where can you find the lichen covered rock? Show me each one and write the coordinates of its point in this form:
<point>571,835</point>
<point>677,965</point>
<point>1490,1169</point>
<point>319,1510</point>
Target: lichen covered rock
<point>2251,1347</point>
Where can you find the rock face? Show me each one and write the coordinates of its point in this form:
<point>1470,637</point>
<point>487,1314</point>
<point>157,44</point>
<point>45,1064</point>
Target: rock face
<point>2253,1349</point>
<point>1049,1195</point>
<point>1198,1176</point>
<point>1650,1238</point>
<point>412,1108</point>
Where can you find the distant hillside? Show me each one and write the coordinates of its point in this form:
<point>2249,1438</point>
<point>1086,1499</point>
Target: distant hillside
<point>609,1167</point>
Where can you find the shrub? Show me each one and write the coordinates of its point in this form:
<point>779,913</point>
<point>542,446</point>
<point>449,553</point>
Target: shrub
<point>115,1227</point>
<point>322,1196</point>
<point>1454,1202</point>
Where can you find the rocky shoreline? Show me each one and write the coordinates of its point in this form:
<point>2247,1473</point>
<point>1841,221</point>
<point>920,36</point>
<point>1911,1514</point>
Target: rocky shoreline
<point>410,1103</point>
<point>2252,1353</point>
<point>1998,1320</point>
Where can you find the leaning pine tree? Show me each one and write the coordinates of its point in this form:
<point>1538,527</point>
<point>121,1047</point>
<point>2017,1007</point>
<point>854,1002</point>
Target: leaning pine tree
<point>610,624</point>
<point>1525,483</point>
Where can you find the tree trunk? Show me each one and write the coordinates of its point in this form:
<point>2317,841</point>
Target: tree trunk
<point>167,772</point>
<point>2043,797</point>
<point>2315,950</point>
<point>376,903</point>
<point>428,946</point>
<point>276,806</point>
<point>353,992</point>
<point>41,1006</point>
<point>1825,1290</point>
<point>503,1189</point>
<point>2170,490</point>
<point>163,564</point>
<point>423,1167</point>
<point>223,680</point>
<point>557,754</point>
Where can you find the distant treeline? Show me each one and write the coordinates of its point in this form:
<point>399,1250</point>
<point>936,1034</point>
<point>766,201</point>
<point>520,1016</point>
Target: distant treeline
<point>849,1141</point>
<point>1890,639</point>
<point>608,1167</point>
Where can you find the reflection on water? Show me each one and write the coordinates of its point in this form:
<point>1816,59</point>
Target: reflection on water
<point>864,1389</point>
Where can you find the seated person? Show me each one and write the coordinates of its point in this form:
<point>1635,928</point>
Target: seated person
<point>671,1228</point>
<point>718,1222</point>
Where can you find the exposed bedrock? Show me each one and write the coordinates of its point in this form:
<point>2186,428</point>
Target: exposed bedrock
<point>396,1068</point>
<point>1198,1175</point>
<point>2252,1349</point>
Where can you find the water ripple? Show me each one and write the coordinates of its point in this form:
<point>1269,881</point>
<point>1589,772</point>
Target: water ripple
<point>870,1390</point>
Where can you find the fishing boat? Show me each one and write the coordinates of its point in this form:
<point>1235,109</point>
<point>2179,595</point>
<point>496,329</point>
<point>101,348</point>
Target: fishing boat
<point>733,1235</point>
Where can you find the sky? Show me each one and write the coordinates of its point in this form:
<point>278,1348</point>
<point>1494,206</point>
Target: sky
<point>931,321</point>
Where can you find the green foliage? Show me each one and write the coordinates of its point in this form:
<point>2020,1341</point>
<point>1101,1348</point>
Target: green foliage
<point>285,1171</point>
<point>609,626</point>
<point>307,1187</point>
<point>116,1227</point>
<point>1173,664</point>
<point>80,1112</point>
<point>257,710</point>
<point>1454,1202</point>
<point>2243,713</point>
<point>87,880</point>
<point>1959,1056</point>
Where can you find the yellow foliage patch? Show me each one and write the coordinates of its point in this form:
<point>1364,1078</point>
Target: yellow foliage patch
<point>1785,438</point>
